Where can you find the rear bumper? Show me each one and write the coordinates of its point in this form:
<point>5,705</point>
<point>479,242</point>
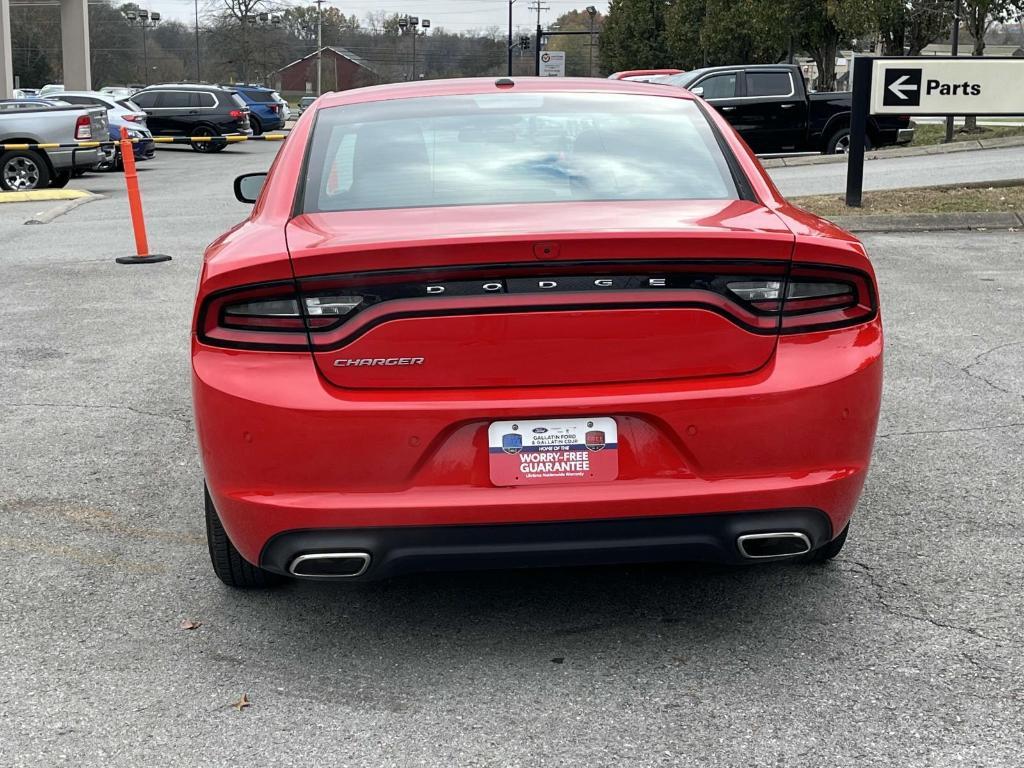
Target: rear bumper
<point>76,158</point>
<point>271,122</point>
<point>411,549</point>
<point>284,451</point>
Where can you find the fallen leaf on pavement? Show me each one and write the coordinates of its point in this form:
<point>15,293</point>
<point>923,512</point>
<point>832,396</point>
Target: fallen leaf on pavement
<point>189,624</point>
<point>242,703</point>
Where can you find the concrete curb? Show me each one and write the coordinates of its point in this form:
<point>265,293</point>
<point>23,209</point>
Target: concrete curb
<point>929,222</point>
<point>882,154</point>
<point>45,217</point>
<point>37,195</point>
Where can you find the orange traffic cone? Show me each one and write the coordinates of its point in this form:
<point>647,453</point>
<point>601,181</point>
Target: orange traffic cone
<point>131,181</point>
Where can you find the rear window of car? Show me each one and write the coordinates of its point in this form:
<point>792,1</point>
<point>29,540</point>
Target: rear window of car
<point>145,100</point>
<point>239,101</point>
<point>260,96</point>
<point>307,100</point>
<point>769,84</point>
<point>513,148</point>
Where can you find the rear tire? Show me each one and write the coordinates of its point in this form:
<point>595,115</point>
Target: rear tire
<point>60,179</point>
<point>839,142</point>
<point>207,147</point>
<point>22,170</point>
<point>830,550</point>
<point>256,125</point>
<point>230,567</point>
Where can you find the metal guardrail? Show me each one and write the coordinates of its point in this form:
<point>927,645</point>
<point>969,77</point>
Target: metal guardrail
<point>230,139</point>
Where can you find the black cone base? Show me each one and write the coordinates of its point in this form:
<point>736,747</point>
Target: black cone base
<point>153,258</point>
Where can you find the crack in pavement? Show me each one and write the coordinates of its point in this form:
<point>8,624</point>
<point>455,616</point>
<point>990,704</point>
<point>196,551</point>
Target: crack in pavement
<point>1011,425</point>
<point>183,420</point>
<point>880,589</point>
<point>965,369</point>
<point>977,360</point>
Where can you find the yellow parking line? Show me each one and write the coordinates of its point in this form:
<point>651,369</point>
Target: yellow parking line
<point>42,194</point>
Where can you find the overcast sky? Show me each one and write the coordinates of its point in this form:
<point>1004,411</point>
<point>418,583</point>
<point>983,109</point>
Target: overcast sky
<point>454,15</point>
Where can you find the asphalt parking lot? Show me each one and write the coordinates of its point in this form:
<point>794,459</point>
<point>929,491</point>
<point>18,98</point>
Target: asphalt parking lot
<point>905,651</point>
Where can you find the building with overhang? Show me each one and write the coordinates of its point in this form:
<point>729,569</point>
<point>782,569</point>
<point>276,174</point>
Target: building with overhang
<point>74,35</point>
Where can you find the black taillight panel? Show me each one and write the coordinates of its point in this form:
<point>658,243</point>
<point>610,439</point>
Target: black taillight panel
<point>330,311</point>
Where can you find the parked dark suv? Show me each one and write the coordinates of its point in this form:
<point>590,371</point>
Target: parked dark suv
<point>198,111</point>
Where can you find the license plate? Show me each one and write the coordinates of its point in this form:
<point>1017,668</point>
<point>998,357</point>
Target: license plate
<point>553,451</point>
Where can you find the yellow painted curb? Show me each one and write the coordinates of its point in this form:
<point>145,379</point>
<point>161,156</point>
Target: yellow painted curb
<point>42,194</point>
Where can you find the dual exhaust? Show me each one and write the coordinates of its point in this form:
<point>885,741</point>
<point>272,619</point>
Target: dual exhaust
<point>757,546</point>
<point>349,565</point>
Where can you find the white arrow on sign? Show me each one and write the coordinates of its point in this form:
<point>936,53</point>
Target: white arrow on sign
<point>899,85</point>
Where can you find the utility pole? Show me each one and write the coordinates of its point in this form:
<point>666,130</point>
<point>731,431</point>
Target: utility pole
<point>199,78</point>
<point>536,53</point>
<point>319,46</point>
<point>955,50</point>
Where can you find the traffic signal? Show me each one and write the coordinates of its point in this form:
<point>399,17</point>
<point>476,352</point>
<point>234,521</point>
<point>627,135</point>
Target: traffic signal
<point>524,42</point>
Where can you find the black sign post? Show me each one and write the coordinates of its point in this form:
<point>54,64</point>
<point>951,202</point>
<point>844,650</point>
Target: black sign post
<point>541,33</point>
<point>862,66</point>
<point>926,85</point>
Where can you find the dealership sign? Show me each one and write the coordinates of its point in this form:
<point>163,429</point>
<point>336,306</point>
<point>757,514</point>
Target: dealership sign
<point>552,64</point>
<point>947,86</point>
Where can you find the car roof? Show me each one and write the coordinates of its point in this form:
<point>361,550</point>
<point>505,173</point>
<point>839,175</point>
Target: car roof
<point>187,87</point>
<point>96,94</point>
<point>471,86</point>
<point>638,72</point>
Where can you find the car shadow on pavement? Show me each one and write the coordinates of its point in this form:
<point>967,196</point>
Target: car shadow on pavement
<point>554,615</point>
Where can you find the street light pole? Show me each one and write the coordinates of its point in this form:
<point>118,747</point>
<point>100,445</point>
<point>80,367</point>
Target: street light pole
<point>199,78</point>
<point>143,15</point>
<point>592,12</point>
<point>319,46</point>
<point>413,27</point>
<point>146,20</point>
<point>510,2</point>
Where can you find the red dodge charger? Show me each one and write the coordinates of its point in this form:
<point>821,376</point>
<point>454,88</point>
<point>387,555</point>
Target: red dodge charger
<point>499,323</point>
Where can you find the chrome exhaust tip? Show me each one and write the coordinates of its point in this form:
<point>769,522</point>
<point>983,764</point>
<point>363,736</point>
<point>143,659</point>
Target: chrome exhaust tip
<point>757,546</point>
<point>330,565</point>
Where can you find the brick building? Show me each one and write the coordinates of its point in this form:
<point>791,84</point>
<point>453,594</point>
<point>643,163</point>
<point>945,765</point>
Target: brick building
<point>342,70</point>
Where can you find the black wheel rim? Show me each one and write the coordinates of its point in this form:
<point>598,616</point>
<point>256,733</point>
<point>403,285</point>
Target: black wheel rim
<point>202,146</point>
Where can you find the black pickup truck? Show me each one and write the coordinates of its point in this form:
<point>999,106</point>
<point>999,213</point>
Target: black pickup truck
<point>768,104</point>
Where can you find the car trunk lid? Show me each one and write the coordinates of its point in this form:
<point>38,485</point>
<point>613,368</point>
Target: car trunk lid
<point>543,294</point>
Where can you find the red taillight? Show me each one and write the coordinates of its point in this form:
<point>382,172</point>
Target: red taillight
<point>812,298</point>
<point>237,114</point>
<point>133,117</point>
<point>760,298</point>
<point>274,108</point>
<point>270,318</point>
<point>83,128</point>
